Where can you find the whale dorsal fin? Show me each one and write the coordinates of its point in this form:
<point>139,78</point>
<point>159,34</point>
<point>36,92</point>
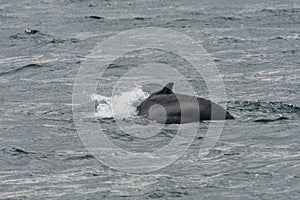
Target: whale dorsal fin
<point>167,89</point>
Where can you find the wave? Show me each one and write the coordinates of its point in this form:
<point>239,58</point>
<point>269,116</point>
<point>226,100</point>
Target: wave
<point>94,17</point>
<point>259,111</point>
<point>271,120</point>
<point>16,70</point>
<point>15,151</point>
<point>64,155</point>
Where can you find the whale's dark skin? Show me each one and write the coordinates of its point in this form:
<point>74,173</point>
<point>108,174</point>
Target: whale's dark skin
<point>167,107</point>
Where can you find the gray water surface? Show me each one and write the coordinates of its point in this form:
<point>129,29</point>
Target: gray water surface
<point>255,45</point>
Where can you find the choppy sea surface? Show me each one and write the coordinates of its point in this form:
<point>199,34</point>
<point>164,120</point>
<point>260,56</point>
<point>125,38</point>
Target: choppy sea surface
<point>255,46</point>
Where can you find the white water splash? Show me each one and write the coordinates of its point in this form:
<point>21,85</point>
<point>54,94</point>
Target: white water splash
<point>119,106</point>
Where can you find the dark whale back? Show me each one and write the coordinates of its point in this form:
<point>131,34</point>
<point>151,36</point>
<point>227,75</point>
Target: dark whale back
<point>168,107</point>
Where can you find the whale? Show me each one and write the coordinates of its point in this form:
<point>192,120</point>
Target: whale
<point>167,107</point>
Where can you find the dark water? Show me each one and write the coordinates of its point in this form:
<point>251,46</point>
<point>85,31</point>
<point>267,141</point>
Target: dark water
<point>255,45</point>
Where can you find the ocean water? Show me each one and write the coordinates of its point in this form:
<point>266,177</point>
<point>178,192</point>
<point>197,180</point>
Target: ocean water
<point>254,45</point>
